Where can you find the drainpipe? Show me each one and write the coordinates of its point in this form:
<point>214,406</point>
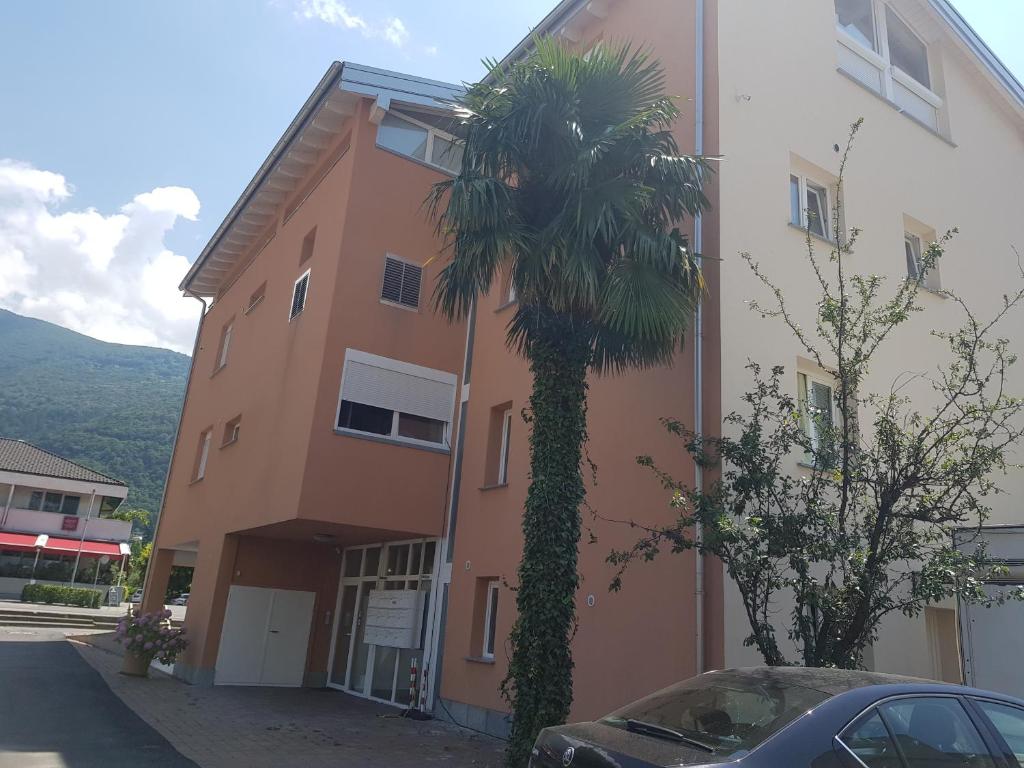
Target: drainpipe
<point>698,341</point>
<point>7,507</point>
<point>177,431</point>
<point>81,539</point>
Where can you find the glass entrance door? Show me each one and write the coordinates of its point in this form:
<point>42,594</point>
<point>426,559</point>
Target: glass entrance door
<point>376,671</point>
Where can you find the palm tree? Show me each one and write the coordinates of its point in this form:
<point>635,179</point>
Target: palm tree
<point>572,187</point>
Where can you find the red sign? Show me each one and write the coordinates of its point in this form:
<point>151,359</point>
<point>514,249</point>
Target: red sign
<point>70,523</point>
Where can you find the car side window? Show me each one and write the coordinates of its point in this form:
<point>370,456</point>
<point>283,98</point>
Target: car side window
<point>1009,721</point>
<point>935,731</point>
<point>868,740</point>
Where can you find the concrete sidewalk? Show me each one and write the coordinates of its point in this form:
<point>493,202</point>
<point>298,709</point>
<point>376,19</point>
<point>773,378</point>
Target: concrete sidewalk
<point>222,727</point>
<point>116,611</point>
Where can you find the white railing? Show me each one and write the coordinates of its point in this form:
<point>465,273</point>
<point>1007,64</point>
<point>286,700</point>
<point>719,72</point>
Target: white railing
<point>66,526</point>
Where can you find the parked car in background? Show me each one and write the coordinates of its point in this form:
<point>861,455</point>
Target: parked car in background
<point>136,596</point>
<point>181,599</point>
<point>795,717</point>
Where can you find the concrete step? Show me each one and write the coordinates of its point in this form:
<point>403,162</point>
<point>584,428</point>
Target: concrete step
<point>56,619</point>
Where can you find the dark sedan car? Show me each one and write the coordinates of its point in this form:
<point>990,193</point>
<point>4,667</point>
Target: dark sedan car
<point>793,717</point>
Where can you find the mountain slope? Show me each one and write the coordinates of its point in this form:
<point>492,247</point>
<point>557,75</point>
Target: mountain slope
<point>112,407</point>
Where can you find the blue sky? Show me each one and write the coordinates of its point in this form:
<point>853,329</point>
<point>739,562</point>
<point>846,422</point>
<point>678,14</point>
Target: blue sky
<point>129,128</point>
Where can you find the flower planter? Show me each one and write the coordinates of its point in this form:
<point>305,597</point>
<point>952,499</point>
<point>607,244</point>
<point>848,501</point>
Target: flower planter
<point>136,666</point>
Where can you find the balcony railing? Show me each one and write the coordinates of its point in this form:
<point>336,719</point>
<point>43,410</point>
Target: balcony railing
<point>68,526</point>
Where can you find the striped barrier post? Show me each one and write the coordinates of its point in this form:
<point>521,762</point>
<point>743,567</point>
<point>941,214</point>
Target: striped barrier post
<point>413,698</point>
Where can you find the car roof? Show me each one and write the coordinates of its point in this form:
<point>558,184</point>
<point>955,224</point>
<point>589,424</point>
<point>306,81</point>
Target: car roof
<point>836,681</point>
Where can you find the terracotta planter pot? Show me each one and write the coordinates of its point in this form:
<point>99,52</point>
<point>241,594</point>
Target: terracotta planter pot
<point>136,666</point>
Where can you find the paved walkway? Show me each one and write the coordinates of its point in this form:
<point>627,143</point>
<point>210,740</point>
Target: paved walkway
<point>57,712</point>
<point>220,727</point>
<point>177,611</point>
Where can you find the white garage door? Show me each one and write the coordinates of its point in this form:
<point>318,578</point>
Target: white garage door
<point>265,637</point>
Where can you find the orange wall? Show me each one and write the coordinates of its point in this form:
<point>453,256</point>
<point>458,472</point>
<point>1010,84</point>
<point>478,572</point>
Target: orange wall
<point>632,642</point>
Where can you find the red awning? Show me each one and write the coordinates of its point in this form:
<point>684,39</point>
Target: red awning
<point>93,548</point>
<point>20,542</point>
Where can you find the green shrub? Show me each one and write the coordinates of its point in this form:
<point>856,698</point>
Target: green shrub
<point>56,593</point>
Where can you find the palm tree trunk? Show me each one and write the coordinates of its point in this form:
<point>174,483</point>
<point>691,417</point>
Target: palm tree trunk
<point>539,683</point>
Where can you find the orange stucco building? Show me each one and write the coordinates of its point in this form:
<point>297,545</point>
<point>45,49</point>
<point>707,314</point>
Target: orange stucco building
<point>350,468</point>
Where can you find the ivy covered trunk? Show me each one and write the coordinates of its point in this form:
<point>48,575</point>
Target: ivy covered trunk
<point>539,682</point>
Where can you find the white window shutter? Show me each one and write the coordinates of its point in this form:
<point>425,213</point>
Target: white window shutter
<point>398,391</point>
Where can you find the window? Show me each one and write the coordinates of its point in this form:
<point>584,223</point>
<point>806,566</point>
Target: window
<point>1009,722</point>
<point>914,249</point>
<point>231,431</point>
<point>730,712</point>
<point>419,137</point>
<point>225,343</point>
<point>809,206</point>
<point>256,298</point>
<point>906,50</point>
<point>397,400</point>
<point>880,50</point>
<point>490,620</point>
<point>307,246</point>
<point>203,455</point>
<point>401,282</point>
<point>299,295</point>
<point>816,414</point>
<point>935,731</point>
<point>47,501</point>
<point>506,435</point>
<point>857,19</point>
<point>868,740</point>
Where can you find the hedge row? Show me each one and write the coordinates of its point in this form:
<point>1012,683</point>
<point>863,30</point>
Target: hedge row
<point>55,593</point>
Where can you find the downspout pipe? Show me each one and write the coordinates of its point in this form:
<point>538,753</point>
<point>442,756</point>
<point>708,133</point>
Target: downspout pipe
<point>698,342</point>
<point>177,431</point>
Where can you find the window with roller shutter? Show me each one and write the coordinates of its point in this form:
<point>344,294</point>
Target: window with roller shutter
<point>401,282</point>
<point>395,400</point>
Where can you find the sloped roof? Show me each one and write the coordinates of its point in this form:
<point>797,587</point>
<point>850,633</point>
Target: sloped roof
<point>19,456</point>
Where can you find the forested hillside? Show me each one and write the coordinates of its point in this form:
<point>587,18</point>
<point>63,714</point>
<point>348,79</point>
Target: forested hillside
<point>112,407</point>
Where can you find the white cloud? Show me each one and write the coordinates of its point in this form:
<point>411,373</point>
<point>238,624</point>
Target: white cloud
<point>337,14</point>
<point>331,12</point>
<point>105,275</point>
<point>395,32</point>
<point>430,50</point>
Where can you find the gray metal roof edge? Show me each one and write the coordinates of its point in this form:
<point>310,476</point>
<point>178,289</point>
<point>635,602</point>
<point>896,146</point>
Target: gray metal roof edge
<point>980,49</point>
<point>108,480</point>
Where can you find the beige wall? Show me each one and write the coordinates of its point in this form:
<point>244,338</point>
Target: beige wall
<point>780,94</point>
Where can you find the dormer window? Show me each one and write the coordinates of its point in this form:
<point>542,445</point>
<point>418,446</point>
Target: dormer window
<point>419,136</point>
<point>880,50</point>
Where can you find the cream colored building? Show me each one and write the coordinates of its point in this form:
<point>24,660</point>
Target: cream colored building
<point>940,148</point>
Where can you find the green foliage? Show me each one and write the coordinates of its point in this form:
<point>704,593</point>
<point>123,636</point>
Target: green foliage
<point>55,593</point>
<point>572,186</point>
<point>884,520</point>
<point>111,407</point>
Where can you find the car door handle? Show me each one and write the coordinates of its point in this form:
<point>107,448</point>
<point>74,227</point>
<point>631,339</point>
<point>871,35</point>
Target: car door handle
<point>274,631</point>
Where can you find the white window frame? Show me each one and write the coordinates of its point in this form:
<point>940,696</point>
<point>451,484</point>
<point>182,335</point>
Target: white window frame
<point>398,304</point>
<point>432,131</point>
<point>491,608</point>
<point>305,298</point>
<point>225,343</point>
<point>506,434</point>
<point>930,280</point>
<point>204,455</point>
<point>882,61</point>
<point>400,366</point>
<point>803,183</point>
<point>805,380</point>
<point>914,242</point>
<point>236,429</point>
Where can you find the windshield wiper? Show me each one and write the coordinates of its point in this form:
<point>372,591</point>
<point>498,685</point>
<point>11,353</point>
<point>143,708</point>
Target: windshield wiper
<point>662,732</point>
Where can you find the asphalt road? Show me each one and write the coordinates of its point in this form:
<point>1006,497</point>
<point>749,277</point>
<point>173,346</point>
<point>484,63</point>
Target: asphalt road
<point>56,711</point>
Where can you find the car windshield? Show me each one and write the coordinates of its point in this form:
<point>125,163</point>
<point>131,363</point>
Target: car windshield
<point>727,712</point>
